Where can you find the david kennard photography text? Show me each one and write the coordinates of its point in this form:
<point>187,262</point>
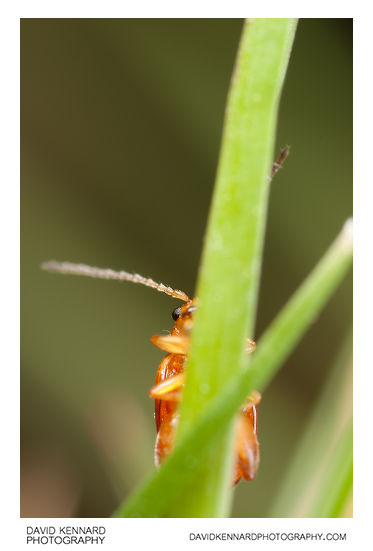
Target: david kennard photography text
<point>66,534</point>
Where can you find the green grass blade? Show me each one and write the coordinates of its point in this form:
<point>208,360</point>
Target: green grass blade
<point>229,276</point>
<point>301,310</point>
<point>315,485</point>
<point>161,493</point>
<point>336,485</point>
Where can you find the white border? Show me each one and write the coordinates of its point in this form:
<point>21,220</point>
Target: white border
<point>163,533</point>
<point>169,9</point>
<point>171,534</point>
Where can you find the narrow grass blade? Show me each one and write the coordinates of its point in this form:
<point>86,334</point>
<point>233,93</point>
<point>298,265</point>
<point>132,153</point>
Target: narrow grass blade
<point>315,484</point>
<point>336,486</point>
<point>160,495</point>
<point>301,310</point>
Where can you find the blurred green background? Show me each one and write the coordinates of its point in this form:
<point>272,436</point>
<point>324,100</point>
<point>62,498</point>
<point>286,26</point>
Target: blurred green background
<point>121,123</point>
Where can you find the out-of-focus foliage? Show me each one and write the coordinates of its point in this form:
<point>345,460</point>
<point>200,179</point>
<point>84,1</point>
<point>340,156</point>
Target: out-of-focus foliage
<point>121,125</point>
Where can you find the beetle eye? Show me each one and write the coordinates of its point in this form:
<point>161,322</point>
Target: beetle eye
<point>176,313</point>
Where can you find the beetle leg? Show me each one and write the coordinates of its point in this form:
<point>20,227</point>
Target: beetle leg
<point>169,389</point>
<point>250,346</point>
<point>178,344</point>
<point>174,344</point>
<point>246,443</point>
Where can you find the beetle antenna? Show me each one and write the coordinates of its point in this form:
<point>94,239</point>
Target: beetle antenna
<point>107,273</point>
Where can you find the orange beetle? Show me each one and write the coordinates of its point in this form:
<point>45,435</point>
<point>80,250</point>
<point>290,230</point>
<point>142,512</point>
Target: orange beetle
<point>167,391</point>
